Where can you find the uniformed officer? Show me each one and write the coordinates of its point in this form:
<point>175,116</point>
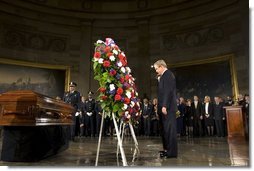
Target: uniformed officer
<point>89,115</point>
<point>72,97</point>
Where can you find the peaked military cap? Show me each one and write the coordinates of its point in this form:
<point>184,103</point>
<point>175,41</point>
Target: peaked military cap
<point>90,93</point>
<point>72,84</point>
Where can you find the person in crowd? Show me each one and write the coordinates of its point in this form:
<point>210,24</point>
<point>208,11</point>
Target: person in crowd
<point>246,107</point>
<point>81,116</point>
<point>196,108</point>
<point>189,119</point>
<point>72,97</point>
<point>89,115</point>
<point>181,119</point>
<point>229,101</point>
<point>207,112</point>
<point>155,118</point>
<point>167,109</point>
<point>146,113</point>
<point>240,99</point>
<point>219,117</point>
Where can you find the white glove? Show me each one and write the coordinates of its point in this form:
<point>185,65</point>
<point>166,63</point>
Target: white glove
<point>89,113</point>
<point>77,113</point>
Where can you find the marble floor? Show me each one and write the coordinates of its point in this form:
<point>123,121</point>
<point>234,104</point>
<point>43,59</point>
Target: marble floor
<point>192,152</point>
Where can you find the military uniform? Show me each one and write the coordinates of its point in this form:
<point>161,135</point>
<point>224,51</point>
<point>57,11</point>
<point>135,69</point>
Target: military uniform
<point>88,110</point>
<point>73,98</point>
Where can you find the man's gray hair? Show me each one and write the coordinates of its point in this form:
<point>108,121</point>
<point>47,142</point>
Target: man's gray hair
<point>160,62</point>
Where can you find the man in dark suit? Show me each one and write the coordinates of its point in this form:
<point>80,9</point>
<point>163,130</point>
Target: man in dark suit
<point>167,109</point>
<point>196,108</point>
<point>147,110</point>
<point>219,117</point>
<point>72,97</point>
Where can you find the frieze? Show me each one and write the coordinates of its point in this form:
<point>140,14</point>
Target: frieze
<point>32,39</point>
<point>192,39</point>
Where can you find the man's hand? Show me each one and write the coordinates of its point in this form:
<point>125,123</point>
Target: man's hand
<point>164,110</point>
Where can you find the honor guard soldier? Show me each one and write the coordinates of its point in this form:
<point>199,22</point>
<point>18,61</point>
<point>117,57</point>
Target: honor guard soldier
<point>72,97</point>
<point>89,115</point>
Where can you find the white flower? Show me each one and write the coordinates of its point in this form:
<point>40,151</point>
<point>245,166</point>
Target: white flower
<point>112,87</point>
<point>112,58</point>
<point>119,64</point>
<point>125,106</point>
<point>128,94</point>
<point>127,115</point>
<point>132,104</point>
<point>115,52</point>
<point>123,69</point>
<point>101,60</point>
<point>123,53</point>
<point>99,41</point>
<point>128,70</point>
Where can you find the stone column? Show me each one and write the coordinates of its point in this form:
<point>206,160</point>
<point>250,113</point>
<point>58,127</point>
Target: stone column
<point>85,57</point>
<point>143,63</point>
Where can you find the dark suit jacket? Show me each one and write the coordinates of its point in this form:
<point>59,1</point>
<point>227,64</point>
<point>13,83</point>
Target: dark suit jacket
<point>167,92</point>
<point>197,112</point>
<point>218,111</point>
<point>148,111</point>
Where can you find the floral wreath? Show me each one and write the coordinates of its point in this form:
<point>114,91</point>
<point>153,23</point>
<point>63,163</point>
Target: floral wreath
<point>117,90</point>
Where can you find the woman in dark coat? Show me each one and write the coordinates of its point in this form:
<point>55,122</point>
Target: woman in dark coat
<point>189,119</point>
<point>208,115</point>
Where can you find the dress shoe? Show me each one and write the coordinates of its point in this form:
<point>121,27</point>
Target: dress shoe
<point>163,153</point>
<point>170,156</point>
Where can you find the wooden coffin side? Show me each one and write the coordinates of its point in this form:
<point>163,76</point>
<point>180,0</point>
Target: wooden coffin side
<point>28,108</point>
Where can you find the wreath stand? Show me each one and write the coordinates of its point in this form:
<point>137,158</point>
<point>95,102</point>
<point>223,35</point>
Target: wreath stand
<point>120,136</point>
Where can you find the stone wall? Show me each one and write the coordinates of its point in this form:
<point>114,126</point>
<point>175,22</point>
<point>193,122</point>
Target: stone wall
<point>59,33</point>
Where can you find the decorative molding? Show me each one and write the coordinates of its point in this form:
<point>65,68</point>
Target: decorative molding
<point>192,39</point>
<point>87,4</point>
<point>19,38</point>
<point>142,4</point>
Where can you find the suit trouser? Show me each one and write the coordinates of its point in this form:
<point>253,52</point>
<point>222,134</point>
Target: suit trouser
<point>169,137</point>
<point>90,125</point>
<point>147,126</point>
<point>219,127</point>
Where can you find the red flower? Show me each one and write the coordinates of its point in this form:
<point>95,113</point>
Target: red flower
<point>126,100</point>
<point>107,49</point>
<point>117,97</point>
<point>97,55</point>
<point>102,89</point>
<point>112,72</point>
<point>104,97</point>
<point>119,91</point>
<point>120,56</point>
<point>127,77</point>
<point>109,54</point>
<point>106,63</point>
<point>122,80</point>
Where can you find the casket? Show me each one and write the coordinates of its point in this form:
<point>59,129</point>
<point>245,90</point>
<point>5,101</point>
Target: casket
<point>28,108</point>
<point>34,126</point>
